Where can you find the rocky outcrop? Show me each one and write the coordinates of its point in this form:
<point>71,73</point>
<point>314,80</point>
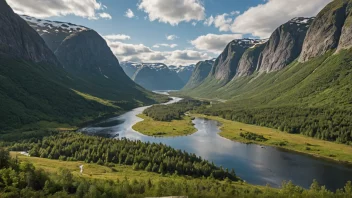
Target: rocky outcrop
<point>226,65</point>
<point>249,61</point>
<point>325,32</point>
<point>284,45</point>
<point>19,40</point>
<point>200,72</point>
<point>345,41</point>
<point>157,76</point>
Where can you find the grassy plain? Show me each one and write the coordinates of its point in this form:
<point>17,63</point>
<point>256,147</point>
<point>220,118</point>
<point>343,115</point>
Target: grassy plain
<point>174,128</point>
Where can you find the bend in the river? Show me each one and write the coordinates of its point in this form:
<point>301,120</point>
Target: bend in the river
<point>255,164</point>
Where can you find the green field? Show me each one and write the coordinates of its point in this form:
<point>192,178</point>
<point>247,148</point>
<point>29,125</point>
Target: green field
<point>168,129</point>
<point>295,142</point>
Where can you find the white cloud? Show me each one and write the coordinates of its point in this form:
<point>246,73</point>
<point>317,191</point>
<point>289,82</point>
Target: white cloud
<point>171,37</point>
<point>165,45</point>
<point>233,13</point>
<point>142,53</point>
<point>214,42</point>
<point>263,19</point>
<point>113,37</point>
<point>44,9</point>
<point>129,13</point>
<point>105,15</point>
<point>223,22</point>
<point>194,23</point>
<point>173,11</point>
<point>209,21</point>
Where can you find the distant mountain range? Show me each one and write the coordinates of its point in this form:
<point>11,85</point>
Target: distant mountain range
<point>158,76</point>
<point>54,73</point>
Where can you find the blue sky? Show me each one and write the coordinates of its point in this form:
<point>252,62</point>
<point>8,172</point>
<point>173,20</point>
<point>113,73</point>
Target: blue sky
<point>201,28</point>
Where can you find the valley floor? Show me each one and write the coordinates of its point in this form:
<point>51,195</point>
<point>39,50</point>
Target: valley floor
<point>330,150</point>
<point>174,128</point>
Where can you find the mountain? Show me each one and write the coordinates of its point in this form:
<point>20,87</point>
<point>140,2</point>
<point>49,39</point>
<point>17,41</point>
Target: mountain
<point>284,45</point>
<point>226,65</point>
<point>330,30</point>
<point>184,72</point>
<point>178,74</point>
<point>157,76</point>
<point>130,68</point>
<point>37,90</point>
<point>31,89</point>
<point>200,72</point>
<point>85,55</point>
<point>299,84</point>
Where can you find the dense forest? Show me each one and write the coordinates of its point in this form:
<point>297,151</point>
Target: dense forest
<point>150,157</point>
<point>22,179</point>
<point>173,111</point>
<point>326,124</point>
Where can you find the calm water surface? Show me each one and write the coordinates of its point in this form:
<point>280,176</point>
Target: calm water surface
<point>255,164</point>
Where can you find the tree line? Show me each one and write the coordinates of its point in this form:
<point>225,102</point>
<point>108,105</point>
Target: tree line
<point>150,157</point>
<point>173,111</point>
<point>22,179</point>
<point>326,124</point>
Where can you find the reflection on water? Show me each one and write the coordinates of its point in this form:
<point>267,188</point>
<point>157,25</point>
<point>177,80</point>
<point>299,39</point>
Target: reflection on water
<point>253,163</point>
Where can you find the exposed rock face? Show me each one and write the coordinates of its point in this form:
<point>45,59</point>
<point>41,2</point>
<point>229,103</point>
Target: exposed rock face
<point>249,61</point>
<point>157,76</point>
<point>325,32</point>
<point>19,40</point>
<point>200,72</point>
<point>284,45</point>
<point>346,34</point>
<point>226,65</point>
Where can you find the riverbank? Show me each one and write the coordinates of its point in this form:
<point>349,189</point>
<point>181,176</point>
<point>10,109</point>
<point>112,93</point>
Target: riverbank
<point>319,148</point>
<point>173,128</point>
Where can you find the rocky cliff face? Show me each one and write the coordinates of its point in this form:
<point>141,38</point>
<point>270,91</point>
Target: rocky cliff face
<point>157,76</point>
<point>226,65</point>
<point>330,30</point>
<point>19,40</point>
<point>249,61</point>
<point>284,45</point>
<point>200,72</point>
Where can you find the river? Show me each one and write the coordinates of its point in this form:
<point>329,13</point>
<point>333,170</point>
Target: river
<point>255,164</point>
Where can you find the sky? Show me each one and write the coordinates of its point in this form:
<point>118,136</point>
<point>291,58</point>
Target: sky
<point>174,32</point>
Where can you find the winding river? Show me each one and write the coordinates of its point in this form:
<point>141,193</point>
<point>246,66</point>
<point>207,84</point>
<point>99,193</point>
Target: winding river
<point>255,164</point>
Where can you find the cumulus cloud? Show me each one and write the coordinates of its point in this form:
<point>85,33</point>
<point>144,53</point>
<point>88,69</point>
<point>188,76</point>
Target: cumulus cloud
<point>171,37</point>
<point>214,42</point>
<point>142,53</point>
<point>105,15</point>
<point>263,19</point>
<point>222,21</point>
<point>173,11</point>
<point>165,45</point>
<point>113,37</point>
<point>129,13</point>
<point>44,9</point>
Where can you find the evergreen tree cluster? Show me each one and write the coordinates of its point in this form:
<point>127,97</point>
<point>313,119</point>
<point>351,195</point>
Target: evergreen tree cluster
<point>150,157</point>
<point>321,123</point>
<point>23,180</point>
<point>173,111</point>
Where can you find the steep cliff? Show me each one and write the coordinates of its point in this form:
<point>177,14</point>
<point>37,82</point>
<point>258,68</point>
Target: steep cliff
<point>226,65</point>
<point>284,45</point>
<point>329,30</point>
